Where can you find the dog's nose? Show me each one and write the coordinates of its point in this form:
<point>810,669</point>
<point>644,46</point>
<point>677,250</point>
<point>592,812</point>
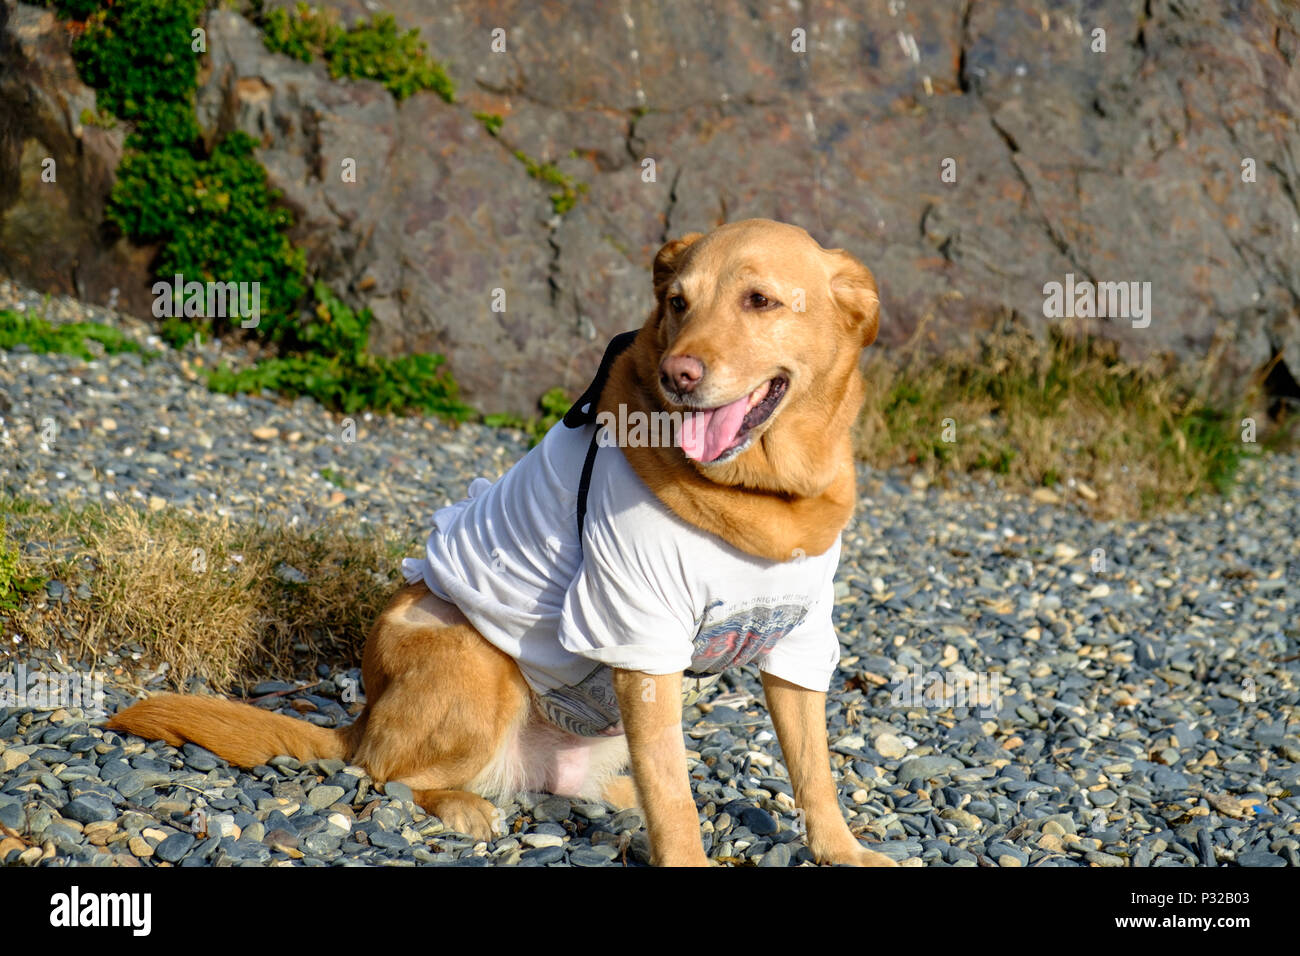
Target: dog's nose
<point>681,372</point>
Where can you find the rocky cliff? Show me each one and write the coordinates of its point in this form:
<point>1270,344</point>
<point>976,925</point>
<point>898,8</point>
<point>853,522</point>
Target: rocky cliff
<point>970,153</point>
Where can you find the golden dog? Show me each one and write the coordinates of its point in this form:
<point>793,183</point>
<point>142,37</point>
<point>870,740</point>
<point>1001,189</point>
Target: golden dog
<point>755,340</point>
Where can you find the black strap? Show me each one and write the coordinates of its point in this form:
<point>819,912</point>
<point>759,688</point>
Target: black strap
<point>585,482</point>
<point>583,413</point>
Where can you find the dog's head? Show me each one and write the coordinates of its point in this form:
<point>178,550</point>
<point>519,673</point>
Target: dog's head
<point>755,337</point>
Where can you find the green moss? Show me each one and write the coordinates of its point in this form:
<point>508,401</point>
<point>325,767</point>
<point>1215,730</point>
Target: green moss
<point>492,122</point>
<point>566,197</point>
<point>71,339</point>
<point>369,50</point>
<point>100,118</point>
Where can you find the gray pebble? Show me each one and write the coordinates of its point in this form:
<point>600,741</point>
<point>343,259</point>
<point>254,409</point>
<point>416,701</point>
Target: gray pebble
<point>544,855</point>
<point>925,768</point>
<point>174,847</point>
<point>134,781</point>
<point>759,822</point>
<point>324,796</point>
<point>389,840</point>
<point>395,790</point>
<point>552,809</point>
<point>90,809</point>
<point>779,855</point>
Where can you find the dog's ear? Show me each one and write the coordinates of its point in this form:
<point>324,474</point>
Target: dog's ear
<point>669,258</point>
<point>853,289</point>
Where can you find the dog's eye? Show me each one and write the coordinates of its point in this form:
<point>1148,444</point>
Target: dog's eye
<point>677,303</point>
<point>756,300</point>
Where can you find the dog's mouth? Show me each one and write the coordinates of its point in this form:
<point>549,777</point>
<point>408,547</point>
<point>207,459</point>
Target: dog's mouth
<point>713,435</point>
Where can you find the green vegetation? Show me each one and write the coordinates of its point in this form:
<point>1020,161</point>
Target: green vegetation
<point>102,119</point>
<point>71,339</point>
<point>1065,415</point>
<point>566,197</point>
<point>16,580</point>
<point>212,213</point>
<point>217,221</point>
<point>334,478</point>
<point>138,56</point>
<point>568,189</point>
<point>72,9</point>
<point>337,369</point>
<point>553,405</point>
<point>373,50</point>
<point>492,122</point>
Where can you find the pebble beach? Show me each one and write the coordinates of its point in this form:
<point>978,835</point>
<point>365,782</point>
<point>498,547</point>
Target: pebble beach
<point>1020,683</point>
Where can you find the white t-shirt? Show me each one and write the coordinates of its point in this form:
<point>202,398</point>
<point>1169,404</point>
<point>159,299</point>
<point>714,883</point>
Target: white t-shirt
<point>643,590</point>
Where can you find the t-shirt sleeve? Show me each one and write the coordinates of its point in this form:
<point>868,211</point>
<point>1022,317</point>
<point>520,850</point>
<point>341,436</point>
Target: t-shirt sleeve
<point>629,606</point>
<point>809,654</point>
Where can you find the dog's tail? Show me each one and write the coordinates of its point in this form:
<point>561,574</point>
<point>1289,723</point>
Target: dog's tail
<point>239,733</point>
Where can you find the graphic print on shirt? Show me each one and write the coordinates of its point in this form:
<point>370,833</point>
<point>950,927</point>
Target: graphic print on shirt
<point>588,708</point>
<point>744,635</point>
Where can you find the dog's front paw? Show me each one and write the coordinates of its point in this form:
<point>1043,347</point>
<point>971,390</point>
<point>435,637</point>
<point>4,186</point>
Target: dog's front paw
<point>853,854</point>
<point>461,812</point>
<point>690,859</point>
<point>864,857</point>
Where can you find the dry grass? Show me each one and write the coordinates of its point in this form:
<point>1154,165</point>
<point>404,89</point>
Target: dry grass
<point>1065,419</point>
<point>210,597</point>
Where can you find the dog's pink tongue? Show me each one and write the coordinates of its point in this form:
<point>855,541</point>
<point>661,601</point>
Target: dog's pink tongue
<point>707,434</point>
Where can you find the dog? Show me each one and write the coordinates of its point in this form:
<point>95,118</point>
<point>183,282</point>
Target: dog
<point>547,639</point>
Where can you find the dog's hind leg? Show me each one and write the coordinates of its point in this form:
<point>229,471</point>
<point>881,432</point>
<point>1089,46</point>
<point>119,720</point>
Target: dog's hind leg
<point>444,704</point>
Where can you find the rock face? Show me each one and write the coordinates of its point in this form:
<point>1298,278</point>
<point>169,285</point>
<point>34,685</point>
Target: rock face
<point>56,172</point>
<point>1169,157</point>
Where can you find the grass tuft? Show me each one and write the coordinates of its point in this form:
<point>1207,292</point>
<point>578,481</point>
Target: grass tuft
<point>1065,415</point>
<point>210,597</point>
<point>87,340</point>
<point>18,580</point>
